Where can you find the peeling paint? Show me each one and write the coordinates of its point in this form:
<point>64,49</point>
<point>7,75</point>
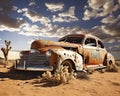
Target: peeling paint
<point>54,53</point>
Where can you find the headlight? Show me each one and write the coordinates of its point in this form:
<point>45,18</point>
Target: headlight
<point>48,53</point>
<point>34,51</point>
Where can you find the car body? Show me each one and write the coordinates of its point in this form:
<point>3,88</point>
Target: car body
<point>78,51</point>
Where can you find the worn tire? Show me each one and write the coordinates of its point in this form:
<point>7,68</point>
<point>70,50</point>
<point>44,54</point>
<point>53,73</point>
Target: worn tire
<point>111,67</point>
<point>69,64</point>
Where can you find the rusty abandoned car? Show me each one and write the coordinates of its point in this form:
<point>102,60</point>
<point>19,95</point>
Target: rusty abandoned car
<point>77,51</point>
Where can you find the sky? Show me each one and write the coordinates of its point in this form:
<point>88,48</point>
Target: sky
<point>23,21</point>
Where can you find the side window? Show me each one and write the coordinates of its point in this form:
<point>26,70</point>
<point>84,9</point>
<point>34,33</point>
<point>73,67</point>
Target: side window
<point>90,42</point>
<point>100,44</point>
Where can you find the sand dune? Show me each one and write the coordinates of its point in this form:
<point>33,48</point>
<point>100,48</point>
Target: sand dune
<point>14,83</point>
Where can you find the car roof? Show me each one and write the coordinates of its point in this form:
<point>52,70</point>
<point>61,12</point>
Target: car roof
<point>77,35</point>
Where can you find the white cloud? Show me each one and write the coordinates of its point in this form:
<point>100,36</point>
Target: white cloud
<point>48,31</point>
<point>104,9</point>
<point>10,29</point>
<point>112,29</point>
<point>108,8</point>
<point>35,17</point>
<point>110,19</point>
<point>14,8</point>
<point>30,30</point>
<point>95,4</point>
<point>68,16</point>
<point>10,22</point>
<point>53,7</point>
<point>20,11</point>
<point>88,14</point>
<point>100,8</point>
<point>32,3</point>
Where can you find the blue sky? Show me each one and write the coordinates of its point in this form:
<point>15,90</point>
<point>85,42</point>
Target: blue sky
<point>22,21</point>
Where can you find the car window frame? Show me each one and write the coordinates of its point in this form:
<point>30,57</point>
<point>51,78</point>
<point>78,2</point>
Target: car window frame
<point>90,45</point>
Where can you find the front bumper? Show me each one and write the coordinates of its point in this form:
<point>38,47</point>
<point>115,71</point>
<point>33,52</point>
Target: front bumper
<point>33,62</point>
<point>33,67</point>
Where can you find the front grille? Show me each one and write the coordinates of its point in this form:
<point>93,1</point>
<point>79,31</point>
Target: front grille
<point>36,58</point>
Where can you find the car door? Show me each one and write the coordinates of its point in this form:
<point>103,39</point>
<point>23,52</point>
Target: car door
<point>90,51</point>
<point>102,52</point>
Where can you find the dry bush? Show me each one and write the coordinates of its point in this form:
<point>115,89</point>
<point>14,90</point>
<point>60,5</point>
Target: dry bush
<point>3,62</point>
<point>112,68</point>
<point>61,76</point>
<point>118,63</point>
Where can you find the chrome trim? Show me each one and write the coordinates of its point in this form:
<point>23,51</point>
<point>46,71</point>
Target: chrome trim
<point>31,68</point>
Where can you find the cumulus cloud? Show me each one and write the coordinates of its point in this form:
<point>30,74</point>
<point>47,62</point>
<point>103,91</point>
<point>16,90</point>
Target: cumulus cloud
<point>109,40</point>
<point>30,30</point>
<point>35,17</point>
<point>53,7</point>
<point>111,25</point>
<point>110,19</point>
<point>88,14</point>
<point>100,8</point>
<point>112,29</point>
<point>48,31</point>
<point>5,20</point>
<point>32,3</point>
<point>99,32</point>
<point>68,16</point>
<point>10,22</point>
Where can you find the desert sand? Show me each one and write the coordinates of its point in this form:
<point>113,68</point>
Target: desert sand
<point>22,83</point>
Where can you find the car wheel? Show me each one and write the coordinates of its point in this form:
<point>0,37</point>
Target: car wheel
<point>68,64</point>
<point>111,67</point>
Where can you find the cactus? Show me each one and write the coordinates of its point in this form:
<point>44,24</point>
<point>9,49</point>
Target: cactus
<point>6,50</point>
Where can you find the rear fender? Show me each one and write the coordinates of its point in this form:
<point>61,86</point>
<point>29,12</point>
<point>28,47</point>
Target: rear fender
<point>63,54</point>
<point>110,58</point>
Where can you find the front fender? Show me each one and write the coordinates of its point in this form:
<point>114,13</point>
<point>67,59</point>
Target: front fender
<point>63,54</point>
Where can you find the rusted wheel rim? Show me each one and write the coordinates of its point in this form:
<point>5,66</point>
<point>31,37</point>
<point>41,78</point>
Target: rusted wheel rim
<point>69,64</point>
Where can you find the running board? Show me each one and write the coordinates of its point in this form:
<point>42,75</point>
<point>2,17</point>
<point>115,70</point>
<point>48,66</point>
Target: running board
<point>100,67</point>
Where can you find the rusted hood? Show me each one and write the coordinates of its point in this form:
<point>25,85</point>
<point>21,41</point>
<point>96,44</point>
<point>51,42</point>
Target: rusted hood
<point>38,44</point>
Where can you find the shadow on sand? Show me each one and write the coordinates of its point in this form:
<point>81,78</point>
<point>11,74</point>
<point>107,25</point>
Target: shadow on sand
<point>19,75</point>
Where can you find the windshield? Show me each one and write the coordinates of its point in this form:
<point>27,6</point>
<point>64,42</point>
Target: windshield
<point>77,40</point>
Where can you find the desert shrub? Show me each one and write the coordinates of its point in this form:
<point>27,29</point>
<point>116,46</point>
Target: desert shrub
<point>61,76</point>
<point>3,62</point>
<point>118,63</point>
<point>112,68</point>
